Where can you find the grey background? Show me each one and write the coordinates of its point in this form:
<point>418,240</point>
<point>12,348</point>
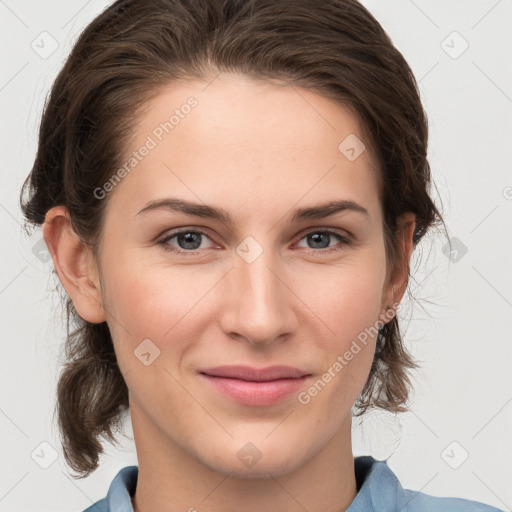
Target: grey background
<point>459,328</point>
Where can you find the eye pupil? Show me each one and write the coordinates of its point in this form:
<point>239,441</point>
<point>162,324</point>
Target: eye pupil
<point>319,238</point>
<point>189,238</point>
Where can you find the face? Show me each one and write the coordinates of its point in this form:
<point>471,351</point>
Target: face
<point>266,284</point>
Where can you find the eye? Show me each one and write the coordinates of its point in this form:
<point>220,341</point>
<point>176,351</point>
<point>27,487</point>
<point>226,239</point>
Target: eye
<point>320,241</point>
<point>189,240</point>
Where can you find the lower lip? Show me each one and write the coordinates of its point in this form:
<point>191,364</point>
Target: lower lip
<point>256,393</point>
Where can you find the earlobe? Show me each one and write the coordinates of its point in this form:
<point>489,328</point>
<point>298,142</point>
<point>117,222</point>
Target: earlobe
<point>75,264</point>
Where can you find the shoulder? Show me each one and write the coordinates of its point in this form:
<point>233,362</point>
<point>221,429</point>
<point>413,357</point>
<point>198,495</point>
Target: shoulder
<point>99,506</point>
<point>421,502</point>
<point>380,490</point>
<point>120,492</point>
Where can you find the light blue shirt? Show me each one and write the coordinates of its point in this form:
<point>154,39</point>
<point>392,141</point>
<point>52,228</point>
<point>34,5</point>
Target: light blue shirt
<point>378,491</point>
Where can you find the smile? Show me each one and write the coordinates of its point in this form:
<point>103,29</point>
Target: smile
<point>255,387</point>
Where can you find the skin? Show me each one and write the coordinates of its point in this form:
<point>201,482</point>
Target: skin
<point>258,151</point>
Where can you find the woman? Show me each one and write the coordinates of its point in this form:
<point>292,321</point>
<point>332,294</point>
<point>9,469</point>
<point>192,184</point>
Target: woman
<point>231,193</point>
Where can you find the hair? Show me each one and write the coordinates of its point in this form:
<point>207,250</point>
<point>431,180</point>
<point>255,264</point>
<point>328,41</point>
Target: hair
<point>124,58</point>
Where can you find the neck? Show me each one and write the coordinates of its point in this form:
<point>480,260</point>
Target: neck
<point>172,480</point>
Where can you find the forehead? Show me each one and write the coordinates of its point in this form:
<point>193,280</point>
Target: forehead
<point>247,141</point>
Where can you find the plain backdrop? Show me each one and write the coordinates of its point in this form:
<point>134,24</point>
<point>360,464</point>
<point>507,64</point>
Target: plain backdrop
<point>456,440</point>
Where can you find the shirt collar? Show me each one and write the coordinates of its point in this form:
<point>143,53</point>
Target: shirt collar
<point>378,487</point>
<point>376,484</point>
<point>122,488</point>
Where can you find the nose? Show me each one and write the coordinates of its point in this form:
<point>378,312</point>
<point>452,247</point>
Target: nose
<point>259,303</point>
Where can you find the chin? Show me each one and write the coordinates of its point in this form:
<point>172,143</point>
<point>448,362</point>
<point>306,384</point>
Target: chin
<point>249,462</point>
<point>261,470</point>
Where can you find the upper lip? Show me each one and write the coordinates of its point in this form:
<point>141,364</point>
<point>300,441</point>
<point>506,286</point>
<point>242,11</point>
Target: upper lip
<point>255,374</point>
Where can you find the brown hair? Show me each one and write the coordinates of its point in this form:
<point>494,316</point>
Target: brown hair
<point>124,57</point>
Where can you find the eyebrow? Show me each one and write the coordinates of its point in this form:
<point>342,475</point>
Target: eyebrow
<point>301,214</point>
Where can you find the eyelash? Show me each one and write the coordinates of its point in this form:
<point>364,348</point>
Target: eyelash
<point>345,240</point>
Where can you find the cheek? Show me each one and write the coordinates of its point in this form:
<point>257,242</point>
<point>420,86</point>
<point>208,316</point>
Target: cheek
<point>347,354</point>
<point>346,298</point>
<point>144,308</point>
<point>347,304</point>
<point>152,302</point>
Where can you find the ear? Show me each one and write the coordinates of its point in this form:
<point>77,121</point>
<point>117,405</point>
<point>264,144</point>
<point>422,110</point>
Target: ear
<point>75,264</point>
<point>399,275</point>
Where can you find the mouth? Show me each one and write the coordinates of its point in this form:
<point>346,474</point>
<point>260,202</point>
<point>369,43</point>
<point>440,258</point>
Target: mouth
<point>255,386</point>
<point>251,374</point>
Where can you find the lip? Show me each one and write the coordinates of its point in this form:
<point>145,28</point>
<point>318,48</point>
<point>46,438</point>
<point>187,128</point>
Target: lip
<point>255,386</point>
